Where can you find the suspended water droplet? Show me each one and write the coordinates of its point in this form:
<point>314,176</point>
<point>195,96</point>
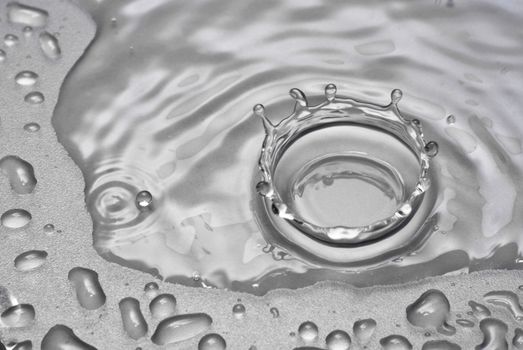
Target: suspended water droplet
<point>478,310</point>
<point>26,15</point>
<point>299,96</point>
<point>89,292</point>
<point>11,40</point>
<point>330,92</point>
<point>396,95</point>
<point>151,289</point>
<point>134,323</point>
<point>431,310</point>
<point>32,127</point>
<point>180,327</point>
<point>275,312</point>
<point>212,341</point>
<point>238,310</point>
<point>451,119</point>
<point>494,335</point>
<point>263,188</point>
<point>308,331</point>
<point>440,345</point>
<point>30,260</point>
<point>144,200</point>
<point>259,110</point>
<point>517,341</point>
<point>21,315</point>
<point>395,342</point>
<point>20,174</point>
<point>50,46</point>
<point>60,337</point>
<point>26,78</point>
<point>34,98</point>
<point>364,330</point>
<point>15,218</point>
<point>507,300</point>
<point>431,148</point>
<point>338,340</point>
<point>163,306</point>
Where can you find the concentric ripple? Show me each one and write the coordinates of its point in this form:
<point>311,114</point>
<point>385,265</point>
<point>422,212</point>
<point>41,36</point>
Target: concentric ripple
<point>161,102</point>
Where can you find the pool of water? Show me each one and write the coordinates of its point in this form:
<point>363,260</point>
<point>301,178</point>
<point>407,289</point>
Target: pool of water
<point>157,96</point>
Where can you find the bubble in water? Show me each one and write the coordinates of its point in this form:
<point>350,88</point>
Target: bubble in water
<point>30,260</point>
<point>21,315</point>
<point>395,342</point>
<point>11,40</point>
<point>338,340</point>
<point>517,341</point>
<point>431,310</point>
<point>151,289</point>
<point>24,345</point>
<point>238,310</point>
<point>478,310</point>
<point>181,327</point>
<point>451,119</point>
<point>20,174</point>
<point>308,331</point>
<point>60,337</point>
<point>212,341</point>
<point>275,312</point>
<point>89,292</point>
<point>364,330</point>
<point>49,229</point>
<point>50,46</point>
<point>506,299</point>
<point>144,200</point>
<point>32,127</point>
<point>15,218</point>
<point>26,15</point>
<point>26,78</point>
<point>494,334</point>
<point>134,323</point>
<point>465,323</point>
<point>440,345</point>
<point>34,98</point>
<point>163,306</point>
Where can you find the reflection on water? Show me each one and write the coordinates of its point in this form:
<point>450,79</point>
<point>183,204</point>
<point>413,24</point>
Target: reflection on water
<point>162,100</point>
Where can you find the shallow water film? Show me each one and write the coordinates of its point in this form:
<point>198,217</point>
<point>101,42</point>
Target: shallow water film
<point>138,211</point>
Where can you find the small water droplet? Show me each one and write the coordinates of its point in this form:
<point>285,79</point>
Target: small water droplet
<point>34,98</point>
<point>28,31</point>
<point>238,310</point>
<point>30,260</point>
<point>26,15</point>
<point>50,46</point>
<point>478,310</point>
<point>151,289</point>
<point>275,312</point>
<point>494,334</point>
<point>330,92</point>
<point>451,119</point>
<point>465,323</point>
<point>338,340</point>
<point>440,345</point>
<point>308,331</point>
<point>15,218</point>
<point>163,306</point>
<point>396,95</point>
<point>395,342</point>
<point>263,188</point>
<point>259,110</point>
<point>26,78</point>
<point>89,292</point>
<point>20,174</point>
<point>364,330</point>
<point>144,200</point>
<point>3,55</point>
<point>212,341</point>
<point>506,299</point>
<point>180,327</point>
<point>21,315</point>
<point>23,345</point>
<point>431,310</point>
<point>517,341</point>
<point>32,127</point>
<point>114,22</point>
<point>49,229</point>
<point>11,40</point>
<point>431,148</point>
<point>134,323</point>
<point>60,337</point>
